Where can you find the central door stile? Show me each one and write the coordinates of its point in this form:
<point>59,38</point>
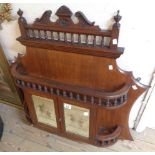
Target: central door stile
<point>60,117</point>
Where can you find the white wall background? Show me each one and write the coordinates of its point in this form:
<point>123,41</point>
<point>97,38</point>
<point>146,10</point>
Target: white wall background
<point>136,35</point>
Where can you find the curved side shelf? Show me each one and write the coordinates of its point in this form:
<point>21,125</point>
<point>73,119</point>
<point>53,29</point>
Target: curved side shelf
<point>108,137</point>
<point>82,94</point>
<point>132,78</point>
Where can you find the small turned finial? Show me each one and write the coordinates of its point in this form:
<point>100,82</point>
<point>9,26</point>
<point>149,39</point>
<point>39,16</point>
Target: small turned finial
<point>20,12</point>
<point>22,23</point>
<point>117,18</point>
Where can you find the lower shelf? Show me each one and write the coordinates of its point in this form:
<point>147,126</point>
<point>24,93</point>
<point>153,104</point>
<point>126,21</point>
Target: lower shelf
<point>108,137</point>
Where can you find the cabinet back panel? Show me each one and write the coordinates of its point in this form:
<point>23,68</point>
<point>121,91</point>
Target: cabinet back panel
<point>72,68</point>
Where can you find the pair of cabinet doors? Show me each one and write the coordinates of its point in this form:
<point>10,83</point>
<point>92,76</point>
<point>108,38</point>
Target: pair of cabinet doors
<point>61,116</point>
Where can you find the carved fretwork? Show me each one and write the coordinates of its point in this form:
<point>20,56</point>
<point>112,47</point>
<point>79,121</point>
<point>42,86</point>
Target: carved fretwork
<point>64,19</point>
<point>83,33</point>
<point>45,18</point>
<point>64,11</point>
<point>83,21</point>
<point>64,14</point>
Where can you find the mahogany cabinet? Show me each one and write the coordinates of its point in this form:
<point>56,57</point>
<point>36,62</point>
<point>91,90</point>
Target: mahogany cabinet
<point>70,80</point>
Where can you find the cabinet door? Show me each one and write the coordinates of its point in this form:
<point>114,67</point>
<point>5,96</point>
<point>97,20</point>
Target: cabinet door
<point>43,110</point>
<point>77,120</point>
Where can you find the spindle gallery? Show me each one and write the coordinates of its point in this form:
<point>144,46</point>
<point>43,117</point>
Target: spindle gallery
<point>70,80</point>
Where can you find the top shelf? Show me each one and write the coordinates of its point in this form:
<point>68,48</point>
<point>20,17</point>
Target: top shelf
<point>64,34</point>
<point>71,47</point>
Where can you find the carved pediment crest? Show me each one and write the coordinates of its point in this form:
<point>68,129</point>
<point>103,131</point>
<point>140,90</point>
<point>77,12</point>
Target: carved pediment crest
<point>64,18</point>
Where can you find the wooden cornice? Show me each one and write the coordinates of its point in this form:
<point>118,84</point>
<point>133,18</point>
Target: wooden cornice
<point>77,48</point>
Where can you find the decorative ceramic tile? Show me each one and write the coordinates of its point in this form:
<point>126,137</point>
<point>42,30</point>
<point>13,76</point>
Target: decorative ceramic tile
<point>45,110</point>
<point>76,120</point>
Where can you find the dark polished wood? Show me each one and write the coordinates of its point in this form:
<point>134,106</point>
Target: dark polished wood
<point>76,64</point>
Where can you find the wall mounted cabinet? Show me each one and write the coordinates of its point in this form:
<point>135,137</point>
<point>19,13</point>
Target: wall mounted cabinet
<point>70,79</point>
